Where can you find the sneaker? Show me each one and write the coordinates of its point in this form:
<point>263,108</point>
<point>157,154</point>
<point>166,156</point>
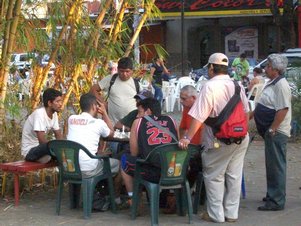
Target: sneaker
<point>141,208</point>
<point>106,204</point>
<point>205,216</point>
<point>125,204</point>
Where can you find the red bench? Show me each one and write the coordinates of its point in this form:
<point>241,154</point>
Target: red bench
<point>21,168</point>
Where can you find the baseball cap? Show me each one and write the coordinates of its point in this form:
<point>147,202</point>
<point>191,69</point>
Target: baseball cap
<point>143,94</point>
<point>218,58</point>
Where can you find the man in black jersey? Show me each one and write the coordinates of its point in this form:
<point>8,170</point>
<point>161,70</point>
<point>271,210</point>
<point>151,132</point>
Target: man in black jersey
<point>144,138</point>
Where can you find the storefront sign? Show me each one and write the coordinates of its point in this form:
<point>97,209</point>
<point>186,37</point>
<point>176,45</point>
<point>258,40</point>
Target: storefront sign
<point>216,7</point>
<point>242,40</point>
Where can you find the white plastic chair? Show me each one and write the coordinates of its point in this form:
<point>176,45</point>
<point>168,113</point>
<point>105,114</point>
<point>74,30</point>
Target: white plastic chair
<point>200,83</point>
<point>257,89</point>
<point>168,91</point>
<point>183,81</point>
<point>144,83</point>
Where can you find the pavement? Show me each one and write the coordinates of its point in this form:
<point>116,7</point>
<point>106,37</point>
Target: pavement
<point>37,207</point>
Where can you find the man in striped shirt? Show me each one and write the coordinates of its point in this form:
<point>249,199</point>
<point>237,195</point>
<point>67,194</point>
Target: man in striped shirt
<point>222,163</point>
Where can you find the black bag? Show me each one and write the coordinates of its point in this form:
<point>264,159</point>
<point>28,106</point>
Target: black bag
<point>101,201</point>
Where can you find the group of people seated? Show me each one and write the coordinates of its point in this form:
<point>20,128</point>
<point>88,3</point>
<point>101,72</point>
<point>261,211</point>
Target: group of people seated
<point>92,124</point>
<point>97,121</point>
<point>117,102</point>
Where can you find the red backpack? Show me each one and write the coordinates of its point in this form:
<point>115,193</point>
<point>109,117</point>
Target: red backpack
<point>231,126</point>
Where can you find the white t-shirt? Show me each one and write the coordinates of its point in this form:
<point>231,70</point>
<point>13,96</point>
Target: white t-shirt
<point>37,121</point>
<point>121,99</point>
<point>86,130</point>
<point>213,97</point>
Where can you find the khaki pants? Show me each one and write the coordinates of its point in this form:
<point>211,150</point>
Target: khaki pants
<point>222,170</point>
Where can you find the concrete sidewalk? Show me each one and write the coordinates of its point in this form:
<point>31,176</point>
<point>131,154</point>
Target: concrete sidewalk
<point>38,206</point>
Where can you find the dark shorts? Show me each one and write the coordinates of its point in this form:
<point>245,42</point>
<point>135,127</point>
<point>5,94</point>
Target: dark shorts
<point>38,152</point>
<point>149,172</point>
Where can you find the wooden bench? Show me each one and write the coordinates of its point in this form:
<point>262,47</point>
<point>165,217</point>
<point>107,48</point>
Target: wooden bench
<point>20,168</point>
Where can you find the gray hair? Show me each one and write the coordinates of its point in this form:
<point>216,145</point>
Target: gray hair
<point>278,62</point>
<point>191,90</point>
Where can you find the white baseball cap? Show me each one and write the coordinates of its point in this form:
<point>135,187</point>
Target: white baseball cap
<point>218,58</point>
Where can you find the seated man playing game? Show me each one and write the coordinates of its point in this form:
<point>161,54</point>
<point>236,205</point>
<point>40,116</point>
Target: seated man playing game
<point>144,138</point>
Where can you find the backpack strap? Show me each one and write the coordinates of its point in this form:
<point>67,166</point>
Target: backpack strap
<point>112,81</point>
<point>137,86</point>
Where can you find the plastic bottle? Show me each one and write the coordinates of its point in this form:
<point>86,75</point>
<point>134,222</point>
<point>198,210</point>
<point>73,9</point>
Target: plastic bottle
<point>172,165</point>
<point>65,164</point>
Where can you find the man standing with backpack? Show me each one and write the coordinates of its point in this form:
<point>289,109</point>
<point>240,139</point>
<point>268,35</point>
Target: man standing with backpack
<point>223,157</point>
<point>120,89</point>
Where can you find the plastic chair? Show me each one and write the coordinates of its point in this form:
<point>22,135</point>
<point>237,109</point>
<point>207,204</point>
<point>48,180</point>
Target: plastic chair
<point>168,91</point>
<point>183,81</point>
<point>200,83</point>
<point>174,163</point>
<point>67,154</point>
<point>257,89</point>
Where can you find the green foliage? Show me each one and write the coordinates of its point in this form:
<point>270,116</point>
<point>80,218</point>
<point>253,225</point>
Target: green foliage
<point>11,103</point>
<point>10,148</point>
<point>295,82</point>
<point>294,79</point>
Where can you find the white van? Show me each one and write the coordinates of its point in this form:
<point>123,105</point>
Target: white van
<point>294,64</point>
<point>293,72</point>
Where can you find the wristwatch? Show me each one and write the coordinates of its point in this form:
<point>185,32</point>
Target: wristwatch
<point>271,131</point>
<point>187,137</point>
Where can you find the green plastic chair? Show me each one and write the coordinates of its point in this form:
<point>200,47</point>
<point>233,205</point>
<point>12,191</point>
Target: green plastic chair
<point>67,154</point>
<point>170,179</point>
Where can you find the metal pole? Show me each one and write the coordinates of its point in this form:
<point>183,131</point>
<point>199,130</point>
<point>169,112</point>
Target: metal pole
<point>182,36</point>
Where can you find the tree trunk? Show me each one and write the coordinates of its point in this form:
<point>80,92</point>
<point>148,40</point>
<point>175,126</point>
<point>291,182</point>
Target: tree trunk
<point>148,9</point>
<point>116,28</point>
<point>286,35</point>
<point>287,26</point>
<point>12,19</point>
<point>95,37</point>
<point>38,87</point>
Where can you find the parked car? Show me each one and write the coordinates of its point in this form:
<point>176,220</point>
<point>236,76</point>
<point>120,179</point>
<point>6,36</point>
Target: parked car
<point>44,62</point>
<point>196,74</point>
<point>201,73</point>
<point>22,60</point>
<point>293,72</point>
<point>252,63</point>
<point>293,50</point>
<point>294,64</point>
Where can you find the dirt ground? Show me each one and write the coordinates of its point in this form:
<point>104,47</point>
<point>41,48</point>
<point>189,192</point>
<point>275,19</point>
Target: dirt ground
<point>37,207</point>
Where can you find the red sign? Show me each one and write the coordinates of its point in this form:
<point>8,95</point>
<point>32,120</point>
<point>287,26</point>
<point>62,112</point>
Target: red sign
<point>214,5</point>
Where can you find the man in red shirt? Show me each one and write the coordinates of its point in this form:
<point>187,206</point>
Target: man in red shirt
<point>188,96</point>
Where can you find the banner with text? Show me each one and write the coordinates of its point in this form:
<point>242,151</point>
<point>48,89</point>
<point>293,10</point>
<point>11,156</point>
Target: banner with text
<point>215,8</point>
<point>242,40</point>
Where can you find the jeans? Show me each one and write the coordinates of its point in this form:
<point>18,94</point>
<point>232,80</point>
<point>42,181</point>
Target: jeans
<point>158,92</point>
<point>275,161</point>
